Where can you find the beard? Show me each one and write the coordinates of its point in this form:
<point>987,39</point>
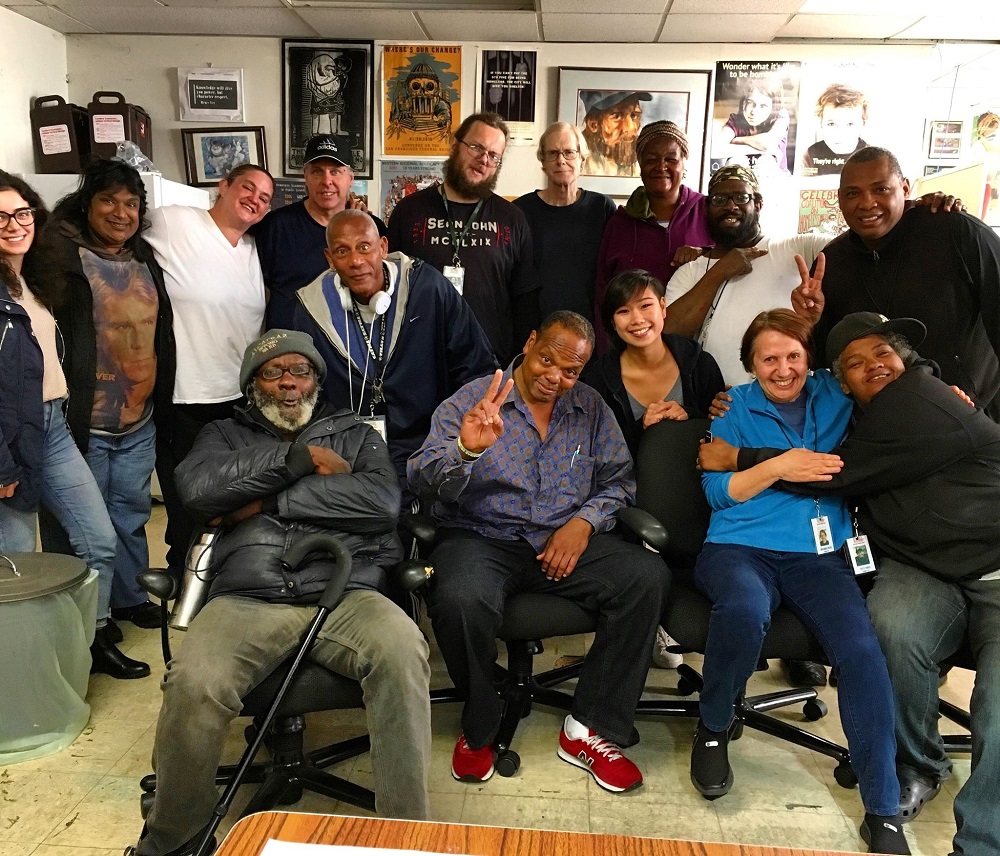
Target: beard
<point>455,179</point>
<point>740,235</point>
<point>281,417</point>
<point>621,153</point>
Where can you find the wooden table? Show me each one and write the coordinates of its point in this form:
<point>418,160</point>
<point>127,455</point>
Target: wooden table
<point>249,835</point>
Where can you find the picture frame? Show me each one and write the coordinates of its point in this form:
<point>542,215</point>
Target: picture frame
<point>210,154</point>
<point>944,139</point>
<point>680,96</point>
<point>327,87</point>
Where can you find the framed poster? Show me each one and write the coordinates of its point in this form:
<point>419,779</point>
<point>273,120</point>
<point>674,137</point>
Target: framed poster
<point>210,154</point>
<point>507,88</point>
<point>944,140</point>
<point>609,107</point>
<point>327,88</point>
<point>422,105</point>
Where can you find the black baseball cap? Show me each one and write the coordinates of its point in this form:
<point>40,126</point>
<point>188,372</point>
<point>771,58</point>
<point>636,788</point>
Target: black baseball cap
<point>325,146</point>
<point>857,325</point>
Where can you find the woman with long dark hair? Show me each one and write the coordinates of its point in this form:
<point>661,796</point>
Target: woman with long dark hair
<point>39,462</point>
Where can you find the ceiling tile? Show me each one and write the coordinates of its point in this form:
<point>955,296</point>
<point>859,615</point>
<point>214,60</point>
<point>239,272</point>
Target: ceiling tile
<point>53,19</point>
<point>649,7</point>
<point>484,26</point>
<point>846,26</point>
<point>745,7</point>
<point>600,28</point>
<point>730,28</point>
<point>222,4</point>
<point>981,27</point>
<point>72,6</point>
<point>189,21</point>
<point>337,23</point>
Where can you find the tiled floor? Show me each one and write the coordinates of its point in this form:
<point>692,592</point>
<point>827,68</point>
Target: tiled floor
<point>84,800</point>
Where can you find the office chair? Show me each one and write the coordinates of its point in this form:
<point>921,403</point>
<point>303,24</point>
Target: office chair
<point>669,489</point>
<point>279,703</point>
<point>958,743</point>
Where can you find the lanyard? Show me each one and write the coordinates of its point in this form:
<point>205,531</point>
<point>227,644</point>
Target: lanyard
<point>703,335</point>
<point>454,235</point>
<point>376,358</point>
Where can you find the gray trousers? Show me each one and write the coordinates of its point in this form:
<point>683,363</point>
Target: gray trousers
<point>232,645</point>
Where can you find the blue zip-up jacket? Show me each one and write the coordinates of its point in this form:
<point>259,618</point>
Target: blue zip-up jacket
<point>774,519</point>
<point>22,422</point>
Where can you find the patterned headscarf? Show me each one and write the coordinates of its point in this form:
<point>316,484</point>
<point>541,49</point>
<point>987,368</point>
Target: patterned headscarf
<point>663,128</point>
<point>740,173</point>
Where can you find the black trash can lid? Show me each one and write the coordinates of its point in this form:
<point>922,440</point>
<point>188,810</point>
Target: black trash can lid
<point>27,575</point>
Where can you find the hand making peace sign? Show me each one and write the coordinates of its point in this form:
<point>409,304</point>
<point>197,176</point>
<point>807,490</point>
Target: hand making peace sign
<point>482,424</point>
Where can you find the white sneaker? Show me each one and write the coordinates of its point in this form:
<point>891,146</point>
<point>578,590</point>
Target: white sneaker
<point>662,658</point>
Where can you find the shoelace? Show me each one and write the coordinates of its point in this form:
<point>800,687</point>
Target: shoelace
<point>603,747</point>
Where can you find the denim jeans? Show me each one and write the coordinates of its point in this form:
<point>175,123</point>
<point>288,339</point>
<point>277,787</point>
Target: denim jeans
<point>921,620</point>
<point>233,644</point>
<point>71,494</point>
<point>123,468</point>
<point>745,585</point>
<point>623,583</point>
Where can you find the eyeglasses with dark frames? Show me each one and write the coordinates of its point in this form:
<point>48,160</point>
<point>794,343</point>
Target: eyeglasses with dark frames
<point>276,372</point>
<point>22,216</point>
<point>720,199</point>
<point>479,152</point>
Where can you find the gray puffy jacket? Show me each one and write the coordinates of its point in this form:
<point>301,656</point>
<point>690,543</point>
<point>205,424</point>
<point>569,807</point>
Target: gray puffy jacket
<point>237,461</point>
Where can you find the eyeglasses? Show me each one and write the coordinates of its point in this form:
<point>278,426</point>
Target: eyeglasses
<point>568,155</point>
<point>276,372</point>
<point>22,216</point>
<point>479,152</point>
<point>720,199</point>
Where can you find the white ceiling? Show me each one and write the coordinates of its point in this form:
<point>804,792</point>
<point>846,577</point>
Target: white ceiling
<point>728,21</point>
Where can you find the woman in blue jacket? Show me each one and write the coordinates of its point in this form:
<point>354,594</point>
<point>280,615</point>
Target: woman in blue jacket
<point>765,546</point>
<point>39,462</point>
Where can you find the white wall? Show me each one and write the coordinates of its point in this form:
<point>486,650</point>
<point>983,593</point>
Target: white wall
<point>32,63</point>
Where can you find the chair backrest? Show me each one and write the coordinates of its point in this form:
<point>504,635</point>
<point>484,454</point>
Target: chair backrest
<point>668,486</point>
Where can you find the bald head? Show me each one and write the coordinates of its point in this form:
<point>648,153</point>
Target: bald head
<point>356,252</point>
<point>359,219</point>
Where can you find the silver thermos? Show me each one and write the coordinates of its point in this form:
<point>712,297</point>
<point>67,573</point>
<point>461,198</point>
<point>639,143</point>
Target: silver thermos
<point>198,576</point>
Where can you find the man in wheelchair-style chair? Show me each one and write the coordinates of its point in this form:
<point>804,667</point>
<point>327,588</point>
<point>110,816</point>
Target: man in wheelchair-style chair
<point>284,468</point>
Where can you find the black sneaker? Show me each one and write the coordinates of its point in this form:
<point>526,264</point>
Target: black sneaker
<point>147,615</point>
<point>710,770</point>
<point>884,835</point>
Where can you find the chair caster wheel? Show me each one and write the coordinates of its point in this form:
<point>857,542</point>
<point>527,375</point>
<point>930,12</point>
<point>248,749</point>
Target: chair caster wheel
<point>292,794</point>
<point>146,804</point>
<point>710,799</point>
<point>814,709</point>
<point>507,763</point>
<point>845,776</point>
<point>250,733</point>
<point>736,729</point>
<point>685,687</point>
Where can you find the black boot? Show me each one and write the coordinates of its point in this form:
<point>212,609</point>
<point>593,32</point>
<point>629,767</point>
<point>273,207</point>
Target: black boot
<point>710,770</point>
<point>108,660</point>
<point>884,835</point>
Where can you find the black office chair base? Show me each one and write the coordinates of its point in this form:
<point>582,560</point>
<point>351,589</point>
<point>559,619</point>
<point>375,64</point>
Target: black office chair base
<point>289,771</point>
<point>956,743</point>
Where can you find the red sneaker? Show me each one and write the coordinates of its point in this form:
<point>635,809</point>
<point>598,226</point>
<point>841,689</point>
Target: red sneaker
<point>602,759</point>
<point>471,765</point>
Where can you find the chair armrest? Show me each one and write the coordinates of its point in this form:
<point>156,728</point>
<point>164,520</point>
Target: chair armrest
<point>423,529</point>
<point>647,527</point>
<point>412,574</point>
<point>159,582</point>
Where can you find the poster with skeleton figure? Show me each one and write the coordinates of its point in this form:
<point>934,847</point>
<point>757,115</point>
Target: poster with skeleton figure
<point>328,88</point>
<point>422,107</point>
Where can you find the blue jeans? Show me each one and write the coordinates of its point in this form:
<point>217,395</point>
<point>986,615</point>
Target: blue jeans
<point>920,621</point>
<point>71,494</point>
<point>123,468</point>
<point>745,585</point>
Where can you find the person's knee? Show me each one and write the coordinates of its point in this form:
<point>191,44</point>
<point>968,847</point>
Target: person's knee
<point>899,636</point>
<point>401,652</point>
<point>196,684</point>
<point>743,619</point>
<point>455,600</point>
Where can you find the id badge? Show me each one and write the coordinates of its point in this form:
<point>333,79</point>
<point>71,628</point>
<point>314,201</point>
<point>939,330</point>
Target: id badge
<point>378,423</point>
<point>859,554</point>
<point>822,535</point>
<point>455,274</point>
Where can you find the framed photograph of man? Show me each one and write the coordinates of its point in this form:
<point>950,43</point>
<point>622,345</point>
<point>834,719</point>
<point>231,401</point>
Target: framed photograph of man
<point>210,154</point>
<point>327,88</point>
<point>610,107</point>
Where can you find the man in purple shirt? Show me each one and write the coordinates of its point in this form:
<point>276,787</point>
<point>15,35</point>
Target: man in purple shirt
<point>527,471</point>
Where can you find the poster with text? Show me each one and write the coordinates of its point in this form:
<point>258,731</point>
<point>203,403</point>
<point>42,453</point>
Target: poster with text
<point>422,105</point>
<point>754,117</point>
<point>508,89</point>
<point>819,213</point>
<point>400,178</point>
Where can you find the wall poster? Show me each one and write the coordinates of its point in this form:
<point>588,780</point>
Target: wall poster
<point>507,88</point>
<point>422,98</point>
<point>400,178</point>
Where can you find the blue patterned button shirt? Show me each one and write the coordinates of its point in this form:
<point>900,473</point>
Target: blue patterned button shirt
<point>523,486</point>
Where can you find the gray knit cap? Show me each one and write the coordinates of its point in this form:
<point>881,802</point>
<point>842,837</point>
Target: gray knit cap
<point>277,343</point>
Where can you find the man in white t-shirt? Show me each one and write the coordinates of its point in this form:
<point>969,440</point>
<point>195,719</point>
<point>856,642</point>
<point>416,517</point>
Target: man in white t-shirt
<point>213,278</point>
<point>713,299</point>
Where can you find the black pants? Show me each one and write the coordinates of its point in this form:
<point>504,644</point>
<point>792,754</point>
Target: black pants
<point>623,584</point>
<point>172,446</point>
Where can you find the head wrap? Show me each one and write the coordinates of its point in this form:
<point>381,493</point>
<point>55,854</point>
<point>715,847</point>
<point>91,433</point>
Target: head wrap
<point>663,128</point>
<point>734,171</point>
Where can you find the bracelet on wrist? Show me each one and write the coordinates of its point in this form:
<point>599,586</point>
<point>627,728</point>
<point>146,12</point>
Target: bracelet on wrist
<point>474,456</point>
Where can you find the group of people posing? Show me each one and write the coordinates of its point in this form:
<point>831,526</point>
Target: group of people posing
<point>495,365</point>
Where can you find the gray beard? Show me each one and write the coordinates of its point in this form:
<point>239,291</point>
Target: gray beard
<point>271,409</point>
